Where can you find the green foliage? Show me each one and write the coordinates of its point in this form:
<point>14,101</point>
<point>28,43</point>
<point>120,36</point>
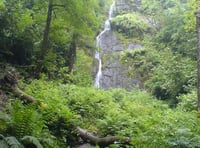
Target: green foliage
<point>172,77</point>
<point>30,140</point>
<point>16,44</point>
<point>165,74</point>
<point>141,62</point>
<point>2,5</point>
<point>188,102</point>
<point>54,110</point>
<point>9,142</point>
<point>135,114</point>
<point>26,141</point>
<point>190,20</point>
<point>165,64</point>
<point>182,138</point>
<point>165,84</point>
<point>146,120</point>
<point>131,25</point>
<point>177,38</point>
<point>81,75</point>
<point>53,95</point>
<point>22,26</point>
<point>25,120</point>
<point>4,119</point>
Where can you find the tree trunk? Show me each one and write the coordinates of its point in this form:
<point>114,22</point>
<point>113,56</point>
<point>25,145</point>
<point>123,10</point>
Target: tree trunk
<point>72,53</point>
<point>44,46</point>
<point>198,54</point>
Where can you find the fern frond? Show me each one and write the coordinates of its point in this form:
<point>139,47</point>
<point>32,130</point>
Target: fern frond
<point>26,140</point>
<point>13,142</point>
<point>4,121</point>
<point>26,120</point>
<point>3,144</point>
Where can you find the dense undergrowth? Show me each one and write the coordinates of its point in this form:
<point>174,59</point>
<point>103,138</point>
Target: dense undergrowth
<point>146,120</point>
<point>163,114</point>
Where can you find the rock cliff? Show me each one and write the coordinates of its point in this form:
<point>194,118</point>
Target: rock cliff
<point>114,74</point>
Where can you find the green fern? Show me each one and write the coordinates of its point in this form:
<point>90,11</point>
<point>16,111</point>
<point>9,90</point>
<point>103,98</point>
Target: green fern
<point>13,142</point>
<point>25,120</point>
<point>9,142</point>
<point>4,120</point>
<point>30,140</point>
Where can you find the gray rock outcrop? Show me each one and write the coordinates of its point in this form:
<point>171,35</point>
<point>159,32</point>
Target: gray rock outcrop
<point>114,74</point>
<point>127,5</point>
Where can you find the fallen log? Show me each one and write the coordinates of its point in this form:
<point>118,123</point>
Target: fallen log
<point>102,142</point>
<point>10,81</point>
<point>22,95</point>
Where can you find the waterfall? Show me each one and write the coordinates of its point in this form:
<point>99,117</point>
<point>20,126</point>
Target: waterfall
<point>98,55</point>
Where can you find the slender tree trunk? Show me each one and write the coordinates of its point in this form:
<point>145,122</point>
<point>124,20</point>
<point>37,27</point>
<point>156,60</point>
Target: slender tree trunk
<point>72,53</point>
<point>198,54</point>
<point>47,29</point>
<point>44,46</point>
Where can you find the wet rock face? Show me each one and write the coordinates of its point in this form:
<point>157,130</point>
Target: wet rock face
<point>114,74</point>
<point>127,5</point>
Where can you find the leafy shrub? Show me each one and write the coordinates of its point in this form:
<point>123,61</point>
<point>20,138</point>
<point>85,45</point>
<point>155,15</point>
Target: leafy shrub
<point>141,62</point>
<point>172,77</point>
<point>165,74</point>
<point>82,70</point>
<point>131,25</point>
<point>183,137</point>
<point>188,102</point>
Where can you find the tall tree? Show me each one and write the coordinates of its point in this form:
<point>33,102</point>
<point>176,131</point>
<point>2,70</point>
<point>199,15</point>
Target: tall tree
<point>44,47</point>
<point>72,53</point>
<point>80,19</point>
<point>47,29</point>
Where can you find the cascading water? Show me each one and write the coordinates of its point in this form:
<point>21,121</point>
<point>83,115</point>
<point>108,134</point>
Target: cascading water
<point>107,27</point>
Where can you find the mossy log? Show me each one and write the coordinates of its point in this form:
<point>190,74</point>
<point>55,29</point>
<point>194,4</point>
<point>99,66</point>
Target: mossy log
<point>9,80</point>
<point>22,95</point>
<point>102,142</point>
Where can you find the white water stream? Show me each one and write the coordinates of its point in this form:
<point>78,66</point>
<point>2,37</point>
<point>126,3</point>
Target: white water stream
<point>107,27</point>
